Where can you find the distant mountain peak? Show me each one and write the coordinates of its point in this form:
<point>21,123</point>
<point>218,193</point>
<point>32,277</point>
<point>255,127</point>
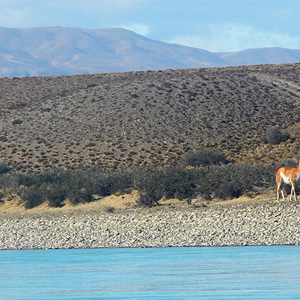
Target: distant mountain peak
<point>47,51</point>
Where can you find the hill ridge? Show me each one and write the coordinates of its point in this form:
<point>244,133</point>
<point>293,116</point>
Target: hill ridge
<point>147,118</point>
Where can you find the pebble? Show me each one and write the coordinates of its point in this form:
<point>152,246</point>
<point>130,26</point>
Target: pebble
<point>270,223</point>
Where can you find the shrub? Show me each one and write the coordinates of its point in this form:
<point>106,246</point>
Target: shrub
<point>276,136</point>
<point>9,182</point>
<point>56,195</point>
<point>204,157</point>
<point>77,185</point>
<point>147,182</point>
<point>225,181</point>
<point>4,168</point>
<point>178,183</point>
<point>106,183</point>
<point>110,209</point>
<point>235,180</point>
<point>77,196</point>
<point>291,163</point>
<point>17,122</point>
<point>148,199</point>
<point>33,197</point>
<point>153,184</point>
<point>38,179</point>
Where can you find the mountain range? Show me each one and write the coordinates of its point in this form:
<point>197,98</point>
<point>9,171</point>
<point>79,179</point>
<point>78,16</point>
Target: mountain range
<point>48,51</point>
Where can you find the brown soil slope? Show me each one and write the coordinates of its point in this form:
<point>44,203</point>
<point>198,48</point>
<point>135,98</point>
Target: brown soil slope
<point>147,118</point>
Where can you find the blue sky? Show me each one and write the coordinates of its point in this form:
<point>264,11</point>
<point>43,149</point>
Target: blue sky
<point>214,25</point>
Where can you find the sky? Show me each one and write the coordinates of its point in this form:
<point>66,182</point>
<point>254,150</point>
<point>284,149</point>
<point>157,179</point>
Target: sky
<point>213,25</point>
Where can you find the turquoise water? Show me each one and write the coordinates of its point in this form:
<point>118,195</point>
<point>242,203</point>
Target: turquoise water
<point>154,273</point>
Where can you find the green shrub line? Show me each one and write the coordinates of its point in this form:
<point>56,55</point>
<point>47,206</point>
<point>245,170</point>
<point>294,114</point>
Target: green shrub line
<point>205,174</point>
<point>80,186</point>
<point>203,158</point>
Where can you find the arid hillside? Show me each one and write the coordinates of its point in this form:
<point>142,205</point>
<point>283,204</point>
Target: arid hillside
<point>148,118</point>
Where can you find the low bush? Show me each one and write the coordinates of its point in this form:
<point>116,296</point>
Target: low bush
<point>147,182</point>
<point>235,180</point>
<point>178,183</point>
<point>108,183</point>
<point>56,195</point>
<point>4,168</point>
<point>154,184</point>
<point>291,163</point>
<point>33,197</point>
<point>110,209</point>
<point>203,158</point>
<point>17,122</point>
<point>77,196</point>
<point>275,136</point>
<point>79,186</point>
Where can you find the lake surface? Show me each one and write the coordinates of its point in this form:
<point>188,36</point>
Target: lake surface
<point>271,272</point>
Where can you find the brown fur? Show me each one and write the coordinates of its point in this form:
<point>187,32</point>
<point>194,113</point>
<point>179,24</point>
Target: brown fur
<point>288,175</point>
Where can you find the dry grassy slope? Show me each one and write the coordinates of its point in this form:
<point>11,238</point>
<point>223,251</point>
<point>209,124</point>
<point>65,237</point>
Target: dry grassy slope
<point>147,118</point>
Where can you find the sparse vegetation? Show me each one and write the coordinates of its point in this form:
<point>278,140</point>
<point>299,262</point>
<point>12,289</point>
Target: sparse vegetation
<point>80,186</point>
<point>137,130</point>
<point>147,119</point>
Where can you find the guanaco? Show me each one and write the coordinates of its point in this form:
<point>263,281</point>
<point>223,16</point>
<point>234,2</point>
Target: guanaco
<point>288,175</point>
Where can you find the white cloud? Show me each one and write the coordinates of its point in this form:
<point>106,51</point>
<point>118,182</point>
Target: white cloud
<point>141,29</point>
<point>235,37</point>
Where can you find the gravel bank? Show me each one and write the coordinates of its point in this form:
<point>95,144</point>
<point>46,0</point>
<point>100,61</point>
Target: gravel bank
<point>225,225</point>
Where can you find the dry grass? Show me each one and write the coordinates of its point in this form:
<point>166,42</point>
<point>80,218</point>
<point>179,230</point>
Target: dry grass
<point>124,202</point>
<point>119,202</point>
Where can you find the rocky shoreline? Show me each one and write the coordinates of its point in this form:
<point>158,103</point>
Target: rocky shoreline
<point>266,223</point>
